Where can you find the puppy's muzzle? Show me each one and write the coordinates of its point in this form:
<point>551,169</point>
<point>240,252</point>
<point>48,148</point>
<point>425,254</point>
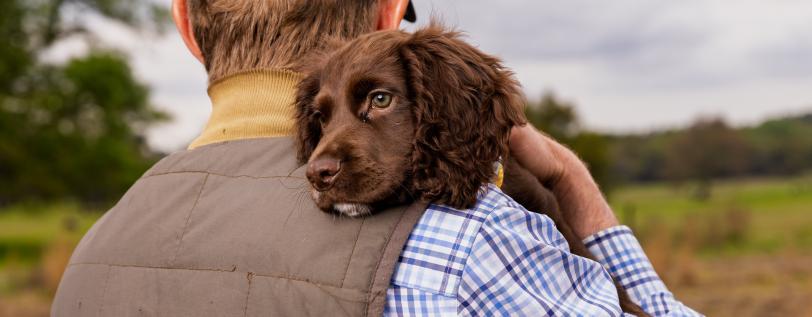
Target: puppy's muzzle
<point>322,173</point>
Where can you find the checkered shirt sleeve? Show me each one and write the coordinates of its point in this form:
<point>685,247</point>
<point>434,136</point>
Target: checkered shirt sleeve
<point>622,256</point>
<point>498,259</point>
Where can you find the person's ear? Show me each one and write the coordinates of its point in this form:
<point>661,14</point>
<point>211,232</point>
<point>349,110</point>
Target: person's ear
<point>180,14</point>
<point>390,13</point>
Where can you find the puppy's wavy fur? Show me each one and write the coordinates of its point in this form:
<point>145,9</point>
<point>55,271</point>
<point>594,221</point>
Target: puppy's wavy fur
<point>452,111</point>
<point>453,87</point>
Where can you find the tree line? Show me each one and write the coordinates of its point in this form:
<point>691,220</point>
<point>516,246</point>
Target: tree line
<point>709,149</point>
<point>72,130</point>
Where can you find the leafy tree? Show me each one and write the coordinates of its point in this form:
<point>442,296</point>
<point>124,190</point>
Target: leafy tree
<point>594,149</point>
<point>639,157</point>
<point>73,130</point>
<point>708,150</point>
<point>13,46</point>
<point>781,146</point>
<point>50,23</point>
<point>555,117</point>
<point>560,120</point>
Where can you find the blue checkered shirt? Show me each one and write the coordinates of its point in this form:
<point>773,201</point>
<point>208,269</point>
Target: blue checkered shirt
<point>498,259</point>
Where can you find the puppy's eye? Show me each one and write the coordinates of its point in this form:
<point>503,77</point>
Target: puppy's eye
<point>381,99</point>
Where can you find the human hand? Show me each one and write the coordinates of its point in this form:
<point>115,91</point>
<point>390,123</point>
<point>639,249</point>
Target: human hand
<point>558,168</point>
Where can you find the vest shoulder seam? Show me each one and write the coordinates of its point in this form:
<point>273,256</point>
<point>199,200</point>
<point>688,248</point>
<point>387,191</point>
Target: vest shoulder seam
<point>221,175</point>
<point>277,276</point>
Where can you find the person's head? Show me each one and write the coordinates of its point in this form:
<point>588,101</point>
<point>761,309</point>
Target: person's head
<point>230,36</point>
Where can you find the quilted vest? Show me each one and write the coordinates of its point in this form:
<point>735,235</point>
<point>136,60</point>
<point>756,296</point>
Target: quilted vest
<point>229,229</point>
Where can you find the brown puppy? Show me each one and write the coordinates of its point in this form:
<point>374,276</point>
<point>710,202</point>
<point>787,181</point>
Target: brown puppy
<point>372,131</point>
<point>393,117</point>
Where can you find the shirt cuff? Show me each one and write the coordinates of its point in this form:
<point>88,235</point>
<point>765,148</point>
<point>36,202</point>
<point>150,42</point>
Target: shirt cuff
<point>621,255</point>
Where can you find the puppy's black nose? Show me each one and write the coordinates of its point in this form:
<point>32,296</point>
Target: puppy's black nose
<point>322,172</point>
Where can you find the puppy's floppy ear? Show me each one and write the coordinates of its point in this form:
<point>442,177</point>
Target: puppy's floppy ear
<point>465,103</point>
<point>308,126</point>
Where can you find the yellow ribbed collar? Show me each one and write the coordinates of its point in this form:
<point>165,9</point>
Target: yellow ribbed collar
<point>253,104</point>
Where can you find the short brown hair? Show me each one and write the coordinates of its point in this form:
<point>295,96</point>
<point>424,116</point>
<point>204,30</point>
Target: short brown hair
<point>238,35</point>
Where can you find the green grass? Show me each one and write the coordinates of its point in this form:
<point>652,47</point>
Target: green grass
<point>776,214</point>
<point>27,230</point>
<point>769,214</point>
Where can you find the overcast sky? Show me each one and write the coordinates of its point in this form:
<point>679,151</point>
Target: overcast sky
<point>628,65</point>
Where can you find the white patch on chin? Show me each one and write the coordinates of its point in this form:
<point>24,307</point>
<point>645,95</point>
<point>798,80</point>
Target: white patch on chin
<point>315,194</point>
<point>353,210</point>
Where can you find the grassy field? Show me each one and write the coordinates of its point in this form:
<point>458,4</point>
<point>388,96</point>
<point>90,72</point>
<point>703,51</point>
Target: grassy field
<point>742,216</point>
<point>36,242</point>
<point>25,231</point>
<point>745,251</point>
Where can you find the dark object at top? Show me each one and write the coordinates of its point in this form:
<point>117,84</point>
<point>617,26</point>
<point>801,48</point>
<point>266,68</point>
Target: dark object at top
<point>410,15</point>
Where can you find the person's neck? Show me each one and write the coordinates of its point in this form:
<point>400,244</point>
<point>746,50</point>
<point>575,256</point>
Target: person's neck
<point>252,104</point>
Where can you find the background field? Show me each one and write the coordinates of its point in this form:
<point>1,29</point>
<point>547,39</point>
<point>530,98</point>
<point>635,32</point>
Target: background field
<point>746,251</point>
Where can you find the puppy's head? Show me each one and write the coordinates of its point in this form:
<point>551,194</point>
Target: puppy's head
<point>393,116</point>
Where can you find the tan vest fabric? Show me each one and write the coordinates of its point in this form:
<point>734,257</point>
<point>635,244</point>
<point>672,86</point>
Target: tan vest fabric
<point>229,229</point>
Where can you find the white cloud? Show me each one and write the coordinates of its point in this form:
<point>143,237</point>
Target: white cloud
<point>638,65</point>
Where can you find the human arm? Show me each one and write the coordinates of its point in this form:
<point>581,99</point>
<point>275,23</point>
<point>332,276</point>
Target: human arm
<point>620,253</point>
<point>592,219</point>
<point>497,259</point>
<point>520,265</point>
<point>567,176</point>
